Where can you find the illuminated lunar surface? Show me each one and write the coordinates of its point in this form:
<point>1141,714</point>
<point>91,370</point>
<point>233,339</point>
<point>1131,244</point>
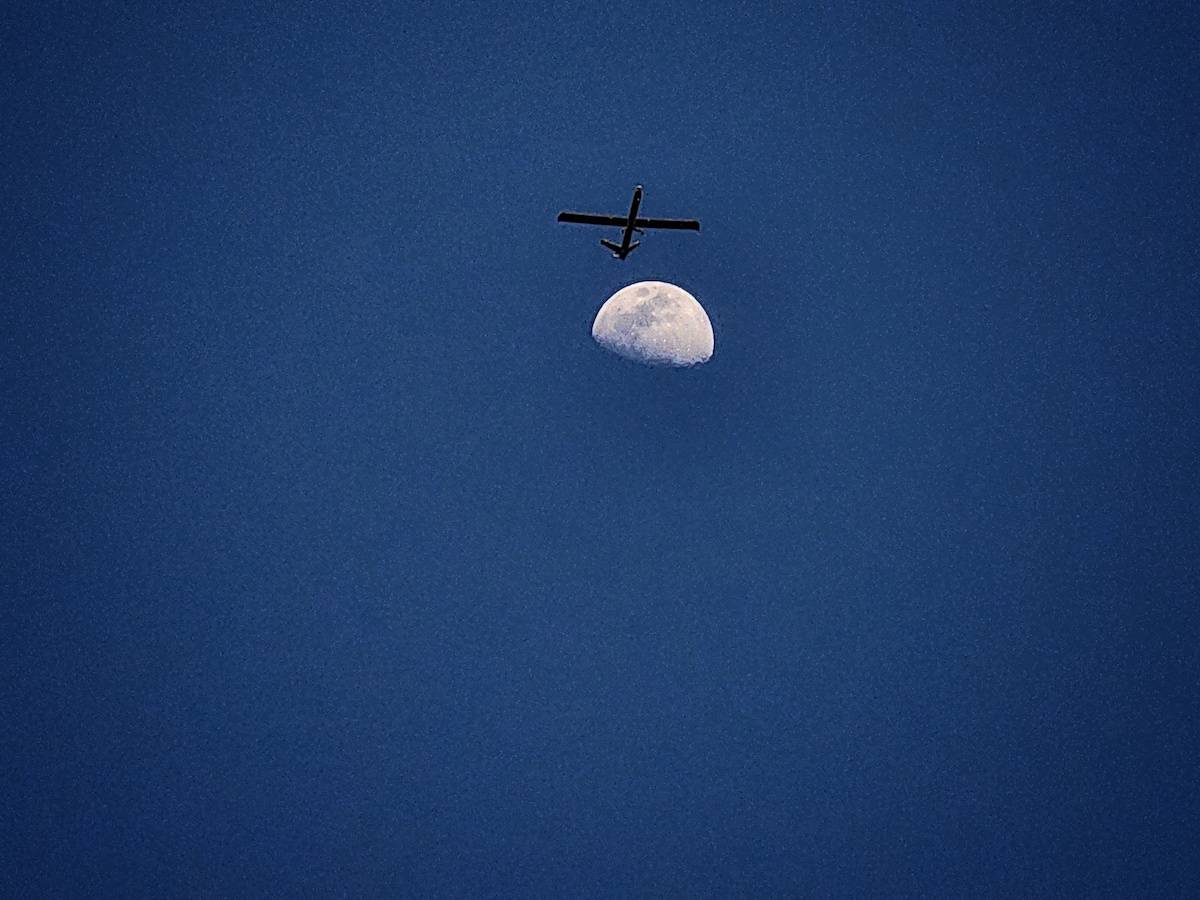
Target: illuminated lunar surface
<point>655,323</point>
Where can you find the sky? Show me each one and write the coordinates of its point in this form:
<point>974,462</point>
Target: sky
<point>339,560</point>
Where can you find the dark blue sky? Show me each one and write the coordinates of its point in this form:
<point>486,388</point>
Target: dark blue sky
<point>340,561</point>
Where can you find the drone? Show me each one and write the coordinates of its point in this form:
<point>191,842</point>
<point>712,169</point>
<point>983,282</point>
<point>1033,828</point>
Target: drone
<point>630,223</point>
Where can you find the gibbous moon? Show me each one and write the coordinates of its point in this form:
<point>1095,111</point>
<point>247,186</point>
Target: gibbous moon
<point>655,323</point>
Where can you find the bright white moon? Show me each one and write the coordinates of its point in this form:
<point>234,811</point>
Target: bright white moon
<point>656,323</point>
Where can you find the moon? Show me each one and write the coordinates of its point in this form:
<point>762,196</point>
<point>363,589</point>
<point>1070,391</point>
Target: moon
<point>655,323</point>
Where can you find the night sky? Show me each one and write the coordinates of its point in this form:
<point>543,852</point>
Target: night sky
<point>338,560</point>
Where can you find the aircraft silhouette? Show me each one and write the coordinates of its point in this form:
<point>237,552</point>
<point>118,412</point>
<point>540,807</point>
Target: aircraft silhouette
<point>630,223</point>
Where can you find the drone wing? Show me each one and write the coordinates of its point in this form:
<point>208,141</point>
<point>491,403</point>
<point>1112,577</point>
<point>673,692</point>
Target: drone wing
<point>679,224</point>
<point>590,219</point>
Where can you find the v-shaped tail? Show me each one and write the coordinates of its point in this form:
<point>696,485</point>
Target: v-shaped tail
<point>617,250</point>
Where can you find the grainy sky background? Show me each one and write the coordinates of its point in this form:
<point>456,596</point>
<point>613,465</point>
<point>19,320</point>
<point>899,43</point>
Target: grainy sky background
<point>339,561</point>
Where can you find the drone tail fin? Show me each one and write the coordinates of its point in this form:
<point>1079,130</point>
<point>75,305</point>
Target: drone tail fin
<point>616,248</point>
